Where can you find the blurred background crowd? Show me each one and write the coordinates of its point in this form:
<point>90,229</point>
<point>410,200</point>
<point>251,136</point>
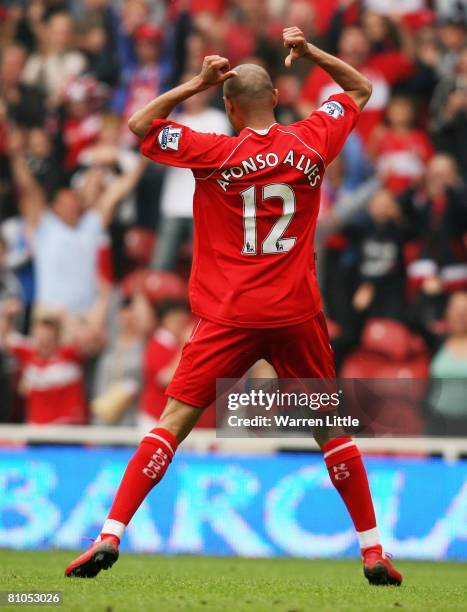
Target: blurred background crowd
<point>95,243</point>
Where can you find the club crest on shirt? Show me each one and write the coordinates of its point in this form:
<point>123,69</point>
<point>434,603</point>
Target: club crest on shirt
<point>169,138</point>
<point>333,109</point>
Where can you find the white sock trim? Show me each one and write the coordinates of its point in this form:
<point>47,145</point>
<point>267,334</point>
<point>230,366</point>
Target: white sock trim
<point>113,527</point>
<point>367,538</point>
<point>339,448</point>
<point>161,439</point>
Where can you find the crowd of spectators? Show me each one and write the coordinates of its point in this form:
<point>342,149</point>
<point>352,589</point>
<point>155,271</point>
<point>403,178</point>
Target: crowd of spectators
<point>95,243</point>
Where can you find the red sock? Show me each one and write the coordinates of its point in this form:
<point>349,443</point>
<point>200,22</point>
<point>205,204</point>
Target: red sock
<point>348,475</point>
<point>145,469</point>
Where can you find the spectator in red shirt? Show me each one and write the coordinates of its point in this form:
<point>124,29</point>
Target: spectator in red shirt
<point>383,70</point>
<point>161,357</point>
<point>51,374</point>
<point>400,150</point>
<point>83,121</point>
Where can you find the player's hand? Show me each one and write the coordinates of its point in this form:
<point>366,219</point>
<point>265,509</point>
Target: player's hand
<point>294,39</point>
<point>215,70</point>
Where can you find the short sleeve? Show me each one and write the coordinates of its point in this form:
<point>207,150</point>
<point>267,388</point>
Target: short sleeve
<point>328,127</point>
<point>174,144</point>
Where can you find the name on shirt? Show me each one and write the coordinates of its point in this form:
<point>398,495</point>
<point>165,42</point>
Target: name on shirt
<point>259,162</point>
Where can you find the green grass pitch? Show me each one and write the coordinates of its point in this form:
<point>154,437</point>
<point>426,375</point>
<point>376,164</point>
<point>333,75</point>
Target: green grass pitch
<point>173,584</point>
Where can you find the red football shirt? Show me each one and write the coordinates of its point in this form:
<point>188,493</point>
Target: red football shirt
<point>255,208</point>
<point>55,385</point>
<point>401,158</point>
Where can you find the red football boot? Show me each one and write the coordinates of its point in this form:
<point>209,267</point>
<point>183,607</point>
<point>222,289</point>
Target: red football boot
<point>101,555</point>
<point>378,568</point>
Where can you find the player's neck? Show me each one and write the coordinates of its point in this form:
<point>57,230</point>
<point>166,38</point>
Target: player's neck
<point>260,122</point>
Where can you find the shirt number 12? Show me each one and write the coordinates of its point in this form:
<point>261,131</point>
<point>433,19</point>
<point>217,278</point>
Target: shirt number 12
<point>273,243</point>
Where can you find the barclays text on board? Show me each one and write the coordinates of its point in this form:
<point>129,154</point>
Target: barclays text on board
<point>231,505</point>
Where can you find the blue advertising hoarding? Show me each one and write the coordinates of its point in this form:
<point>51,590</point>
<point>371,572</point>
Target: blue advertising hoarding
<point>231,504</point>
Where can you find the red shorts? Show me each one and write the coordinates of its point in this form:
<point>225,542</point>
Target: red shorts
<point>217,351</point>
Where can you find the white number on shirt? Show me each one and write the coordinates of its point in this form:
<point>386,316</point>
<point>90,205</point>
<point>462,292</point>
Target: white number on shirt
<point>273,243</point>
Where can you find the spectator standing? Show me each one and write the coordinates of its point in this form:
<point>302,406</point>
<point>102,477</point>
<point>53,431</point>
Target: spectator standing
<point>399,149</point>
<point>24,104</point>
<point>377,238</point>
<point>118,378</point>
<point>83,120</point>
<point>449,373</point>
<point>57,62</point>
<point>449,108</point>
<point>68,236</point>
<point>452,32</point>
<point>96,31</point>
<point>52,379</point>
<point>132,14</point>
<point>437,211</point>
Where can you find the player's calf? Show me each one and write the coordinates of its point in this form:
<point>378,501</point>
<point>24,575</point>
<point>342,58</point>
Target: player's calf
<point>348,475</point>
<point>146,468</point>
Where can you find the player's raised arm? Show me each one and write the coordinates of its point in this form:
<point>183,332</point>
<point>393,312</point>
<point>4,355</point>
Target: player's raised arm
<point>215,70</point>
<point>354,84</point>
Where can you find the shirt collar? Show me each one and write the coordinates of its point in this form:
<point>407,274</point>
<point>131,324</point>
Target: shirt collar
<point>263,132</point>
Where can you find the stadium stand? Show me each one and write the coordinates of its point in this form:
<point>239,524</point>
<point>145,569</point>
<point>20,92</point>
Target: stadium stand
<point>392,235</point>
